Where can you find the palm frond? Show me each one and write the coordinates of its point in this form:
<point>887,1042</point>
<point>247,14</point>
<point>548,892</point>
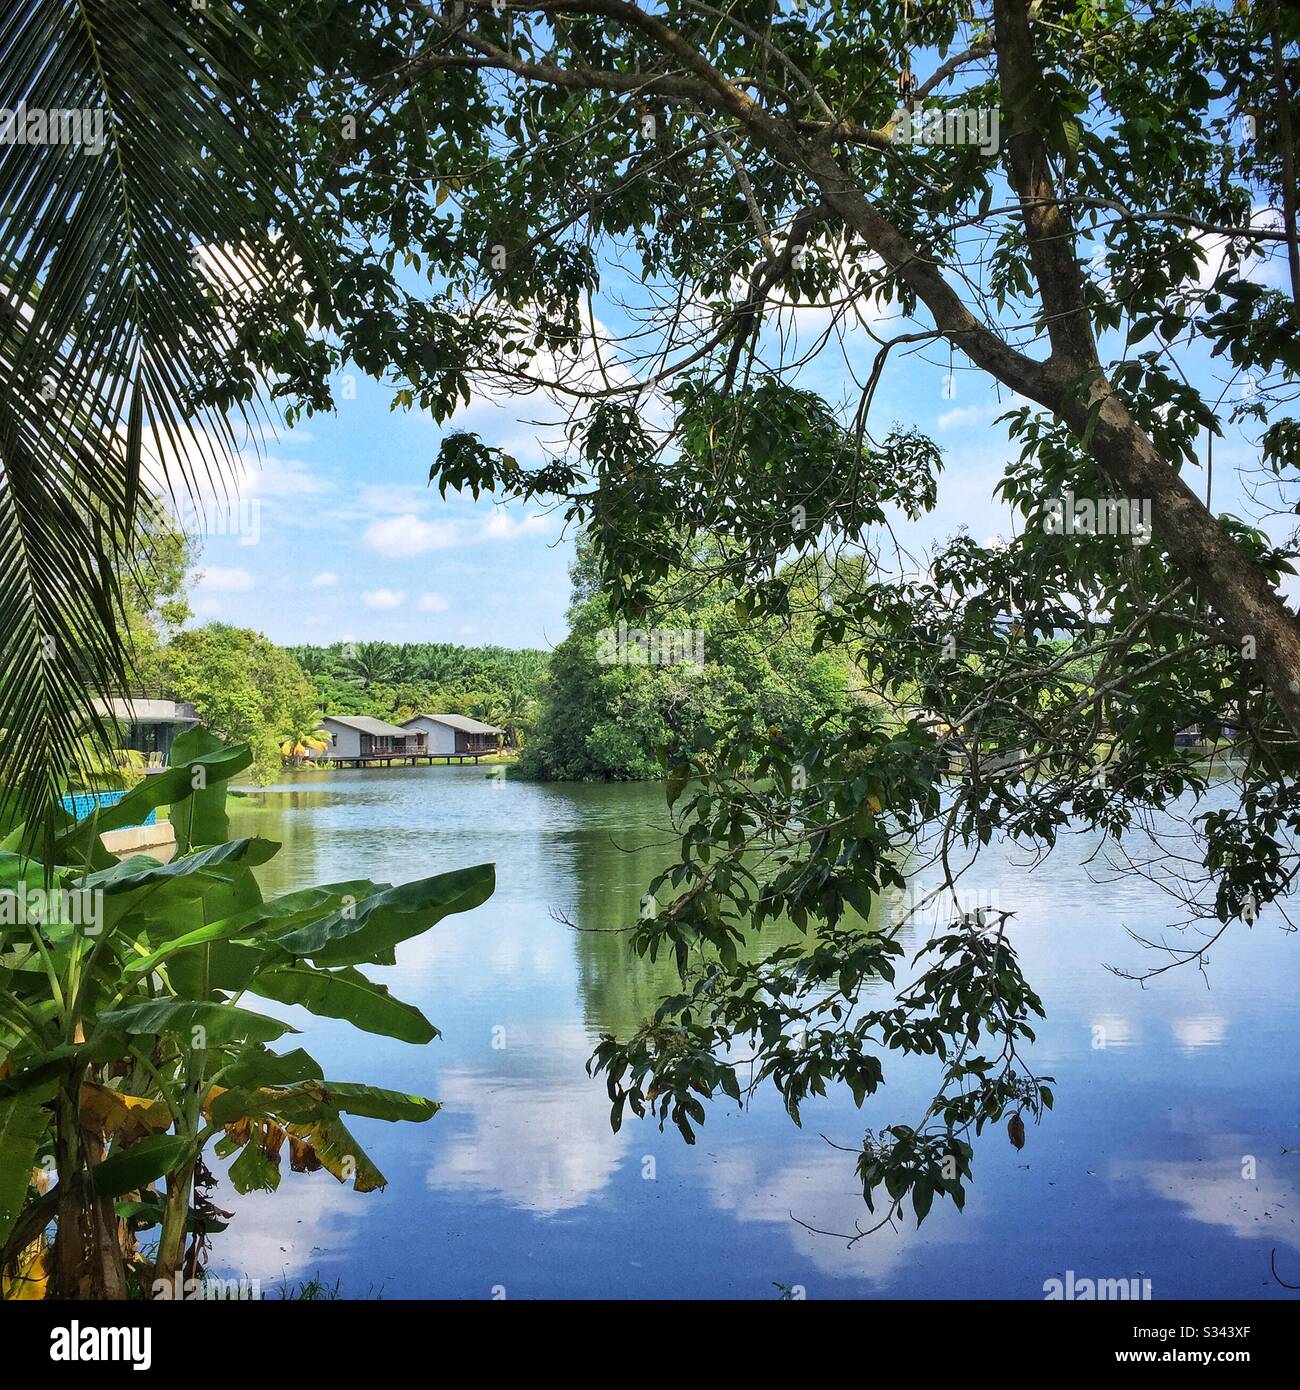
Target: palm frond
<point>111,321</point>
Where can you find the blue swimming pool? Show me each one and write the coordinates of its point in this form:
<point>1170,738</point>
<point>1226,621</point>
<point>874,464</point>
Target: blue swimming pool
<point>83,804</point>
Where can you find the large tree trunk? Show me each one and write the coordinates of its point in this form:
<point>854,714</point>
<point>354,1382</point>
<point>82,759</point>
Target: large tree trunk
<point>1242,600</point>
<point>1241,597</point>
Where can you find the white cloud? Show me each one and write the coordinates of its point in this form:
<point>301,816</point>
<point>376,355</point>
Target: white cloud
<point>1212,1191</point>
<point>1200,1030</point>
<point>982,413</point>
<point>383,598</point>
<point>400,537</point>
<point>393,497</point>
<point>966,415</point>
<point>272,476</point>
<point>501,526</point>
<point>226,580</point>
<point>537,1137</point>
<point>325,580</point>
<point>309,1222</point>
<point>432,603</point>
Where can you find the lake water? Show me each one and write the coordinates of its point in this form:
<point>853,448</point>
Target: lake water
<point>1142,1171</point>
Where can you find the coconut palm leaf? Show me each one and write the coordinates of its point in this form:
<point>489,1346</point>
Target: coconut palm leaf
<point>134,226</point>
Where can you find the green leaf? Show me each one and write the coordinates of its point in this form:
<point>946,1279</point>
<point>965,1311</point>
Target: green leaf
<point>140,870</point>
<point>256,1066</point>
<point>23,1123</point>
<point>370,930</point>
<point>143,1163</point>
<point>39,1074</point>
<point>377,1104</point>
<point>219,965</point>
<point>201,818</point>
<point>346,994</point>
<point>283,912</point>
<point>253,1171</point>
<point>677,779</point>
<point>221,1023</point>
<point>167,788</point>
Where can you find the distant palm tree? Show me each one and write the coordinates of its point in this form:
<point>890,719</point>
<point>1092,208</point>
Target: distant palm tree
<point>515,712</point>
<point>370,663</point>
<point>407,662</point>
<point>487,709</point>
<point>297,746</point>
<point>312,661</point>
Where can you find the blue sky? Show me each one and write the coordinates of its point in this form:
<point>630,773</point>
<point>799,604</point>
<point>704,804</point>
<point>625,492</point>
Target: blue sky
<point>343,539</point>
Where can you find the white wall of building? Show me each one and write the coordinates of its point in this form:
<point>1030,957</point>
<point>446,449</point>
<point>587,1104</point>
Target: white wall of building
<point>439,738</point>
<point>345,740</point>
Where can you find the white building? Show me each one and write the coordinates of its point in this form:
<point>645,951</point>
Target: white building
<point>360,736</point>
<point>453,734</point>
<point>148,726</point>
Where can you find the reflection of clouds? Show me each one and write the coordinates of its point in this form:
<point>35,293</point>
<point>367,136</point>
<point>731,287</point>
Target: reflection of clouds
<point>1214,1193</point>
<point>1200,1030</point>
<point>307,1222</point>
<point>819,1188</point>
<point>481,944</point>
<point>540,1141</point>
<point>1113,1030</point>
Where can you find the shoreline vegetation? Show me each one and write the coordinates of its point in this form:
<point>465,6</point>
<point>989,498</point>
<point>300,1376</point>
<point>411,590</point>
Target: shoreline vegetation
<point>612,702</point>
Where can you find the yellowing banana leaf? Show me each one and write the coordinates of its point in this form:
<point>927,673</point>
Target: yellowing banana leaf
<point>313,1100</point>
<point>30,1283</point>
<point>117,1115</point>
<point>302,1103</point>
<point>340,1154</point>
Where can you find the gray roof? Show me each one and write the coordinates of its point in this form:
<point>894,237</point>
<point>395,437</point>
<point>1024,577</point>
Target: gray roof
<point>458,721</point>
<point>147,711</point>
<point>366,724</point>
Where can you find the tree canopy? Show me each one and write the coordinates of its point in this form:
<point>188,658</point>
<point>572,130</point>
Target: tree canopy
<point>243,687</point>
<point>618,701</point>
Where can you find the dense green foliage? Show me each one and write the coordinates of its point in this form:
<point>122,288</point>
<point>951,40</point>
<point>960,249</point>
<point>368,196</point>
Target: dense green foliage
<point>481,184</point>
<point>109,331</point>
<point>739,159</point>
<point>609,709</point>
<point>243,687</point>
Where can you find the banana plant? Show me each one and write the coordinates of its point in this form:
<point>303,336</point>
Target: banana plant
<point>127,1040</point>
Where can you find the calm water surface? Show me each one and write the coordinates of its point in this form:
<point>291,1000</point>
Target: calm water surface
<point>518,1183</point>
